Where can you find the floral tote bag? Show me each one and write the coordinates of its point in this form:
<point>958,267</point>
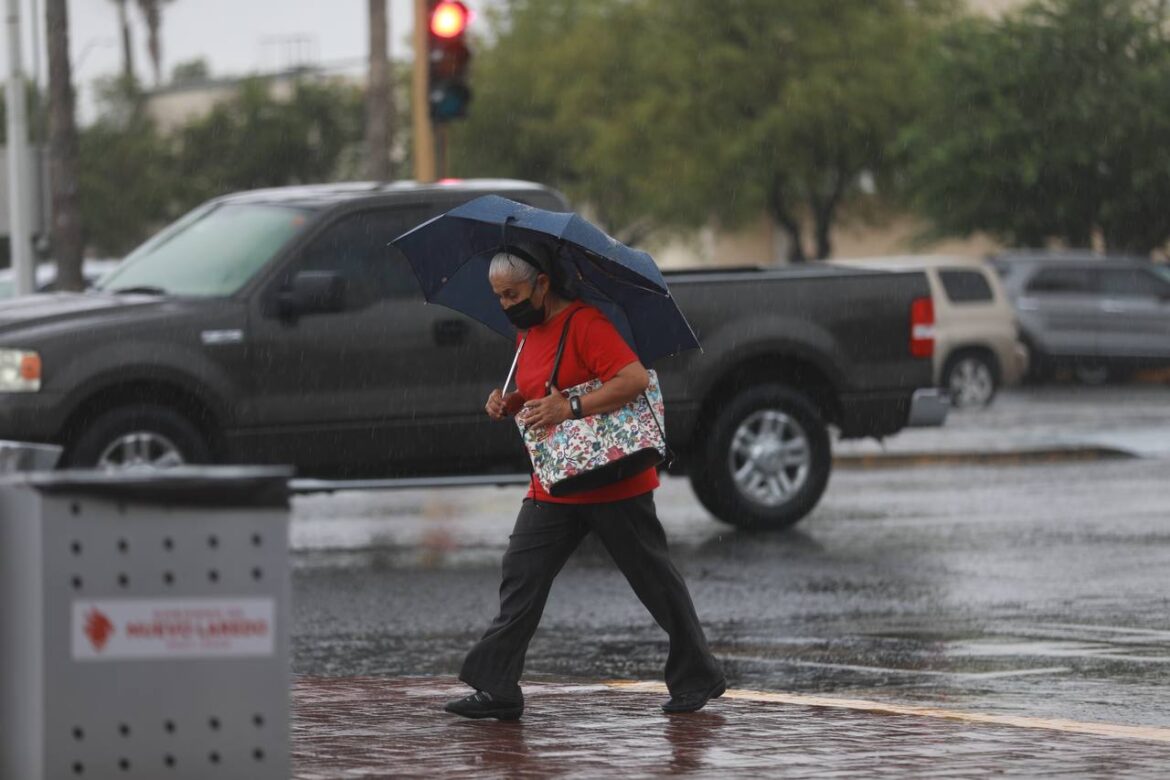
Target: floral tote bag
<point>599,449</point>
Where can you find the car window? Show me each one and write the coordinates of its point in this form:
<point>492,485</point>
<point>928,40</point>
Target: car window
<point>1061,281</point>
<point>1130,283</point>
<point>356,247</point>
<point>211,252</point>
<point>963,286</point>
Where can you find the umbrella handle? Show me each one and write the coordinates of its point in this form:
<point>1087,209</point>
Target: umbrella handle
<point>515,361</point>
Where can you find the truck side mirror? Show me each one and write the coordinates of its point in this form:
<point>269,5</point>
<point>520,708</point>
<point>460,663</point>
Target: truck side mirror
<point>312,292</point>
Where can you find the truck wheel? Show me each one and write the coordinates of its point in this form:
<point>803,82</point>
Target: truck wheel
<point>971,379</point>
<point>765,459</point>
<point>138,437</point>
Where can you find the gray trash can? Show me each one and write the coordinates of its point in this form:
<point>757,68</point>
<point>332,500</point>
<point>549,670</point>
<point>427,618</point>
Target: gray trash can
<point>145,624</point>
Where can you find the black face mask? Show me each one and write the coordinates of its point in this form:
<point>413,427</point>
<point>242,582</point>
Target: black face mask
<point>524,315</point>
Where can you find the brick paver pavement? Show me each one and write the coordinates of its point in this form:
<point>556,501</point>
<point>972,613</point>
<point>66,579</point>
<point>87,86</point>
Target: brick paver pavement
<point>367,727</point>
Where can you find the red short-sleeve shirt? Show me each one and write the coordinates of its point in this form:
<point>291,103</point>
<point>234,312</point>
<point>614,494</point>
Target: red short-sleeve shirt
<point>594,349</point>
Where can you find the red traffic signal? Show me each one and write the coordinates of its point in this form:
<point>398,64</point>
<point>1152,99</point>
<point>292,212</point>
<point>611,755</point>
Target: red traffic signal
<point>448,56</point>
<point>449,19</point>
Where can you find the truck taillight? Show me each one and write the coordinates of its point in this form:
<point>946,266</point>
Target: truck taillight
<point>922,328</point>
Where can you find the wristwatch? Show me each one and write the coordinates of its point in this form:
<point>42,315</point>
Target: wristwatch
<point>575,405</point>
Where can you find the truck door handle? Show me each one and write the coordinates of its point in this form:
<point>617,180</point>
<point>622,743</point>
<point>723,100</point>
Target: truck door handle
<point>450,333</point>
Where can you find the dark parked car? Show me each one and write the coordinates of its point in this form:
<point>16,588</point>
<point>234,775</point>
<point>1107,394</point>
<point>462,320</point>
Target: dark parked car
<point>1099,316</point>
<point>277,327</point>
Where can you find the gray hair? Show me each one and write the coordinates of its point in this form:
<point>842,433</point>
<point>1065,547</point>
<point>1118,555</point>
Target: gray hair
<point>513,266</point>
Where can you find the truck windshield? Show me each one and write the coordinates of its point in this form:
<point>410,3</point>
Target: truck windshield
<point>212,251</point>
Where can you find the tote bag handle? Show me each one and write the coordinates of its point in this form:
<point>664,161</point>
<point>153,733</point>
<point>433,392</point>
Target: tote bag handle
<point>552,380</point>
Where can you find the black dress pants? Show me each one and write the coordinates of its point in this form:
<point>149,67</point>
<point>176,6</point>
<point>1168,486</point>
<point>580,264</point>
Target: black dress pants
<point>545,535</point>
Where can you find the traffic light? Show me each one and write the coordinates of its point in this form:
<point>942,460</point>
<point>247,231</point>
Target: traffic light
<point>448,58</point>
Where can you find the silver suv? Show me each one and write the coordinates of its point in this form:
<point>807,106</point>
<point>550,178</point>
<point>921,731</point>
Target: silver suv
<point>1102,317</point>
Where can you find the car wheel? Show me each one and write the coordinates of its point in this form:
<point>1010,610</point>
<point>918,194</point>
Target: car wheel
<point>764,461</point>
<point>141,437</point>
<point>970,378</point>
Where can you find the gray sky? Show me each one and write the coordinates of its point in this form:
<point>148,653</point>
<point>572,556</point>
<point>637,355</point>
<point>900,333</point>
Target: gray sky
<point>236,36</point>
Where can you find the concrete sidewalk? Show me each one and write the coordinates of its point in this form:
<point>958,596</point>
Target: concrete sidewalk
<point>367,727</point>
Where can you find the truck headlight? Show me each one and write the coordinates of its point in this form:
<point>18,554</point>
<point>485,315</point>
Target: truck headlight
<point>20,371</point>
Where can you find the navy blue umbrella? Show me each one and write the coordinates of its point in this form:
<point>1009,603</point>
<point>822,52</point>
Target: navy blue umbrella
<point>450,255</point>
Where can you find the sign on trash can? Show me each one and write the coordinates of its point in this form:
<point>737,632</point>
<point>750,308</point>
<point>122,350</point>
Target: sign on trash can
<point>145,624</point>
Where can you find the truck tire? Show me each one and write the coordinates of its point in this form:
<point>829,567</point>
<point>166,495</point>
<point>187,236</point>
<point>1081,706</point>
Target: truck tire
<point>141,436</point>
<point>764,460</point>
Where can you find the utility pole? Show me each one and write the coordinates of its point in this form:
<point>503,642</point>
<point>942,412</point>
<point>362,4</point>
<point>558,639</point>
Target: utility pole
<point>424,131</point>
<point>35,20</point>
<point>18,190</point>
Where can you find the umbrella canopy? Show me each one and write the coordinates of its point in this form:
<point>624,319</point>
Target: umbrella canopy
<point>450,255</point>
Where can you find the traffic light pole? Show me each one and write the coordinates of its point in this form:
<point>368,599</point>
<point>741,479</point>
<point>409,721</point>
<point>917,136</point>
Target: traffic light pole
<point>424,131</point>
<point>441,151</point>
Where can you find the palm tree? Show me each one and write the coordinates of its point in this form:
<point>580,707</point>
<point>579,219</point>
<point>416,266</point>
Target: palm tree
<point>127,42</point>
<point>63,180</point>
<point>152,12</point>
<point>379,106</point>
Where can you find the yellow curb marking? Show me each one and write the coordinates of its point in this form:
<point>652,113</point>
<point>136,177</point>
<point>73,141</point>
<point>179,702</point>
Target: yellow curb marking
<point>1114,730</point>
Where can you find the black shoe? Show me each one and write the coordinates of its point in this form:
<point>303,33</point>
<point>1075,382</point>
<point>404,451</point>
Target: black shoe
<point>695,700</point>
<point>481,705</point>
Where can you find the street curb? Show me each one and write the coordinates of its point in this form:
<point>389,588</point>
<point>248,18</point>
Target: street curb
<point>895,460</point>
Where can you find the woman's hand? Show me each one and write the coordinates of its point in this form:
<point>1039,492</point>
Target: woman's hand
<point>553,409</point>
<point>499,406</point>
<point>495,405</point>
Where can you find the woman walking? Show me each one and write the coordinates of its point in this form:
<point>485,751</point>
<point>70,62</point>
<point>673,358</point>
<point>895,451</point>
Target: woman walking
<point>548,529</point>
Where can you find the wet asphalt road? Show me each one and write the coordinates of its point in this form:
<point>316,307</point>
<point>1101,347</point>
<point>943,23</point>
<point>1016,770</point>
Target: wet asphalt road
<point>1038,590</point>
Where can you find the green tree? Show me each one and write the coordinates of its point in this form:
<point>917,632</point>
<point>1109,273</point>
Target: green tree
<point>671,112</point>
<point>191,71</point>
<point>536,113</point>
<point>1049,124</point>
<point>785,106</point>
<point>134,179</point>
<point>126,185</point>
<point>127,174</point>
<point>257,140</point>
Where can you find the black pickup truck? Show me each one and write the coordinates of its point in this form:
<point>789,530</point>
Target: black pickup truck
<point>223,339</point>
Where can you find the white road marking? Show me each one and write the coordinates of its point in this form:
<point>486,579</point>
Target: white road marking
<point>1110,730</point>
<point>1152,633</point>
<point>901,671</point>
